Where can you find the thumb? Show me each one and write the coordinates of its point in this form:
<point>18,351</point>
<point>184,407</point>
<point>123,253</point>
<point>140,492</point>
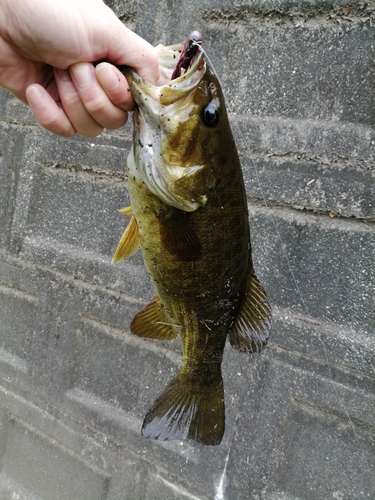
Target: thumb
<point>127,48</point>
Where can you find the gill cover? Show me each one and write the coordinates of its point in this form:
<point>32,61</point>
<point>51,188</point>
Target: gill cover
<point>170,127</point>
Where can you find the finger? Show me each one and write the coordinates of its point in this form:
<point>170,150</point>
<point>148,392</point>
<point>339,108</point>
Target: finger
<point>114,85</point>
<point>73,106</point>
<point>94,98</point>
<point>47,112</point>
<point>135,52</point>
<point>17,73</point>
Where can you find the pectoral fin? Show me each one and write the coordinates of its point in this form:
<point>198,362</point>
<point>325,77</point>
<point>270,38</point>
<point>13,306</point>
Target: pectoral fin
<point>252,327</point>
<point>129,241</point>
<point>126,211</point>
<point>153,322</point>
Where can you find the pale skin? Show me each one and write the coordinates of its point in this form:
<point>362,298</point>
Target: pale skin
<point>46,53</point>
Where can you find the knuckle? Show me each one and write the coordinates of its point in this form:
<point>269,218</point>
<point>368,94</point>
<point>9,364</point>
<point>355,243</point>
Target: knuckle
<point>117,122</point>
<point>96,106</point>
<point>57,125</point>
<point>90,130</point>
<point>70,99</point>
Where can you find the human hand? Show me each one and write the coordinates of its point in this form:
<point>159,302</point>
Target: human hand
<point>43,47</point>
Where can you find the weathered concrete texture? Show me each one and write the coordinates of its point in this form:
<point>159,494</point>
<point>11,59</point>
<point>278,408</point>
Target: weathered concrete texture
<point>286,162</point>
<point>321,266</point>
<point>75,384</point>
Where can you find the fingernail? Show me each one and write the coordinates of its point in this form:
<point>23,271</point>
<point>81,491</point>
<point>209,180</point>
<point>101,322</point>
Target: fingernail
<point>83,74</point>
<point>109,78</point>
<point>35,96</point>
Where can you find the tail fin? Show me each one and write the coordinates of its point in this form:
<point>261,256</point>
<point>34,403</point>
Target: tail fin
<point>183,412</point>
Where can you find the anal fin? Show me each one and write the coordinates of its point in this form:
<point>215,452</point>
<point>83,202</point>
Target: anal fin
<point>129,242</point>
<point>252,326</point>
<point>153,322</point>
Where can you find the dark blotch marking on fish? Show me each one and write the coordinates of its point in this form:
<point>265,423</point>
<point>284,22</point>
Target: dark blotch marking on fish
<point>179,238</point>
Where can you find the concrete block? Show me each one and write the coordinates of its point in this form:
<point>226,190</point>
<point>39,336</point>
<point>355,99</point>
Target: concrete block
<point>298,91</point>
<point>17,326</point>
<point>60,457</point>
<point>4,96</point>
<point>309,165</point>
<point>330,341</point>
<point>46,180</point>
<point>116,367</point>
<point>303,432</point>
<point>159,488</point>
<point>11,150</point>
<point>321,267</point>
<point>295,68</point>
<point>14,111</point>
<point>46,469</point>
<point>314,439</point>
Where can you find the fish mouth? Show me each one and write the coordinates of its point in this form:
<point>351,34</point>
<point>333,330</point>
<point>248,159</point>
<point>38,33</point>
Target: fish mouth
<point>192,46</point>
<point>179,78</point>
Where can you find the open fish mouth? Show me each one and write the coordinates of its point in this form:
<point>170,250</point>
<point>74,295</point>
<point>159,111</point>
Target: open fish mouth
<point>181,67</point>
<point>192,47</point>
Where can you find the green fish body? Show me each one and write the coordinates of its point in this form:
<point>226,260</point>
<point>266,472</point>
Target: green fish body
<point>189,216</point>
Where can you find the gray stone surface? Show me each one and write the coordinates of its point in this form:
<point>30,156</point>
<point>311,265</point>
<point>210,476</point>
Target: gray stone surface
<point>298,77</point>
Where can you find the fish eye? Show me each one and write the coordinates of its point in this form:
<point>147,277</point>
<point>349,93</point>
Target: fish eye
<point>211,115</point>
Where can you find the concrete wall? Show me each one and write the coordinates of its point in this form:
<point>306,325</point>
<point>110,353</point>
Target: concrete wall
<point>299,79</point>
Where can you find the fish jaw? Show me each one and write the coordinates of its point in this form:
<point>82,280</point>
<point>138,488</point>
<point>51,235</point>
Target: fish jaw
<point>164,158</point>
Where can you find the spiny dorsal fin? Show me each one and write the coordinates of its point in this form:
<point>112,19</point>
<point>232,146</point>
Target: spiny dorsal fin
<point>252,327</point>
<point>184,412</point>
<point>154,322</point>
<point>129,241</point>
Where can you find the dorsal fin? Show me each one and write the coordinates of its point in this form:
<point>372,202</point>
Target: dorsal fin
<point>154,322</point>
<point>129,242</point>
<point>252,326</point>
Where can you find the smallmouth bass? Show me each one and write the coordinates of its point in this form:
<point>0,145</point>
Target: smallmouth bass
<point>189,217</point>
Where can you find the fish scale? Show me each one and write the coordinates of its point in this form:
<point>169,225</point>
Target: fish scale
<point>189,217</point>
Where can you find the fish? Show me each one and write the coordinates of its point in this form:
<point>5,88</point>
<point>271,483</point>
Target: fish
<point>189,217</point>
